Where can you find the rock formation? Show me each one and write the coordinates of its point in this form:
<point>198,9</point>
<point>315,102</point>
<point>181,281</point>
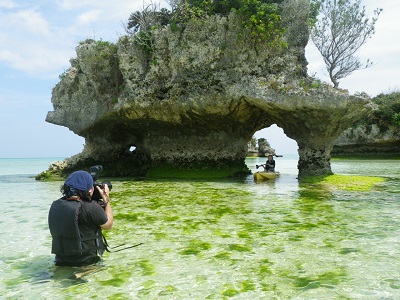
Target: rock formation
<point>193,98</point>
<point>368,140</point>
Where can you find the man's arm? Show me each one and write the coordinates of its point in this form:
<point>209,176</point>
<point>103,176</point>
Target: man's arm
<point>107,209</point>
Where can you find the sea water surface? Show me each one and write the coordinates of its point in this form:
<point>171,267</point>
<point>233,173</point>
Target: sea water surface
<point>222,239</point>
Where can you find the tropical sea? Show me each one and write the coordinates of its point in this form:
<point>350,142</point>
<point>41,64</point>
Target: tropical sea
<point>214,239</point>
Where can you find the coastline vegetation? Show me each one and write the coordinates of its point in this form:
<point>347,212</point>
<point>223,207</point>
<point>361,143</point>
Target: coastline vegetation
<point>386,112</point>
<point>261,20</point>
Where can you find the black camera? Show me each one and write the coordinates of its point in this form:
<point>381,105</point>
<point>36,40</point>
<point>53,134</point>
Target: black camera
<point>94,172</point>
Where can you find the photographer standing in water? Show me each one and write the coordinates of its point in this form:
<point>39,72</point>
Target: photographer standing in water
<point>76,221</point>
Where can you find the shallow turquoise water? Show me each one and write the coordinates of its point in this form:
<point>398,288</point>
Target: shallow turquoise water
<point>214,239</point>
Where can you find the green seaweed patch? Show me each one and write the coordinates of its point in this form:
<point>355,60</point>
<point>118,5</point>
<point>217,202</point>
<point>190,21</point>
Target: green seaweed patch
<point>308,225</point>
<point>243,235</point>
<point>148,287</point>
<point>262,268</point>
<point>247,285</point>
<point>345,182</point>
<point>296,238</point>
<point>229,290</point>
<point>393,283</point>
<point>239,248</point>
<point>222,234</point>
<point>278,249</point>
<point>118,279</point>
<point>141,218</point>
<point>201,279</point>
<point>268,287</point>
<point>327,279</point>
<point>348,250</point>
<point>167,290</point>
<point>149,284</point>
<point>170,171</point>
<point>122,192</point>
<point>223,255</point>
<point>315,194</point>
<point>221,210</point>
<point>119,296</point>
<point>160,235</point>
<point>195,247</point>
<point>15,281</point>
<point>251,226</point>
<point>129,217</point>
<point>171,218</point>
<point>146,267</point>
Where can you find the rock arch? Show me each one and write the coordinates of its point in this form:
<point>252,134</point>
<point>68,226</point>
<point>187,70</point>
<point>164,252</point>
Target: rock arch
<point>194,102</point>
<point>216,136</point>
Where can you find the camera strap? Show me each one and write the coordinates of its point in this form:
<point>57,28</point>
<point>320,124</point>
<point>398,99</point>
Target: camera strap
<point>108,247</point>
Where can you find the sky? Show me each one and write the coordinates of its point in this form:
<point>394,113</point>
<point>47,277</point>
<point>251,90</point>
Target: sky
<point>38,38</point>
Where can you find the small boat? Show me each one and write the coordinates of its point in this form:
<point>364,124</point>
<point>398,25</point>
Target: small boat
<point>258,176</point>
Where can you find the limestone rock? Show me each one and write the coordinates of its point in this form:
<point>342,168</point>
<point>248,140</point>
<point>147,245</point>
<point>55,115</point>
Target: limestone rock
<point>195,99</point>
<point>368,140</point>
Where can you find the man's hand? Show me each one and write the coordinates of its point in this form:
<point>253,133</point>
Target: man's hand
<point>104,192</point>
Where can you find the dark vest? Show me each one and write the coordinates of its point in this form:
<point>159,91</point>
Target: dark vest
<point>64,228</point>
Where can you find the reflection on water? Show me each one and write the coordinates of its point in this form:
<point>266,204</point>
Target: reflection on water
<point>220,240</point>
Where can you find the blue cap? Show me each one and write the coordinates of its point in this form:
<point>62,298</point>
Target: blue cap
<point>80,180</point>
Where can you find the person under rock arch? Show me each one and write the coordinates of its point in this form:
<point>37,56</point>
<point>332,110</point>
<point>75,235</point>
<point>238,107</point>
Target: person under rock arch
<point>270,164</point>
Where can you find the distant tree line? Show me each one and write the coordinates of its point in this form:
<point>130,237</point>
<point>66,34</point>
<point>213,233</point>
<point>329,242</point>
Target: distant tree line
<point>387,112</point>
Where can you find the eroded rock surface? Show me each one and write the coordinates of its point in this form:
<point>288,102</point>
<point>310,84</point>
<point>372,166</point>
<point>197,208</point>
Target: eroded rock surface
<point>368,140</point>
<point>195,99</point>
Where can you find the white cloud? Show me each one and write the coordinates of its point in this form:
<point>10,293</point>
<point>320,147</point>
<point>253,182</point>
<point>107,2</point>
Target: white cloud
<point>39,39</point>
<point>74,4</point>
<point>7,4</point>
<point>39,59</point>
<point>30,21</point>
<point>89,17</point>
<point>8,56</point>
<point>113,9</point>
<point>20,21</point>
<point>31,46</point>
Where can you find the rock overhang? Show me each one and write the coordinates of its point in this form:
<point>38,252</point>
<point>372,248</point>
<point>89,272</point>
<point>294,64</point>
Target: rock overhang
<point>188,107</point>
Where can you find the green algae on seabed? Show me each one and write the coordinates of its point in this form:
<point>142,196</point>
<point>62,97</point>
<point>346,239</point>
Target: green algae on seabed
<point>201,172</point>
<point>117,277</point>
<point>327,279</point>
<point>189,223</point>
<point>345,182</point>
<point>195,247</point>
<point>229,290</point>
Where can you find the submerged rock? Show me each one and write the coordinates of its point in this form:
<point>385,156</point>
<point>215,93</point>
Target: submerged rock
<point>195,99</point>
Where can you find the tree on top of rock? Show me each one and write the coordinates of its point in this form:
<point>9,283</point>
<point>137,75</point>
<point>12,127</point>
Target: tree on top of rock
<point>341,29</point>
